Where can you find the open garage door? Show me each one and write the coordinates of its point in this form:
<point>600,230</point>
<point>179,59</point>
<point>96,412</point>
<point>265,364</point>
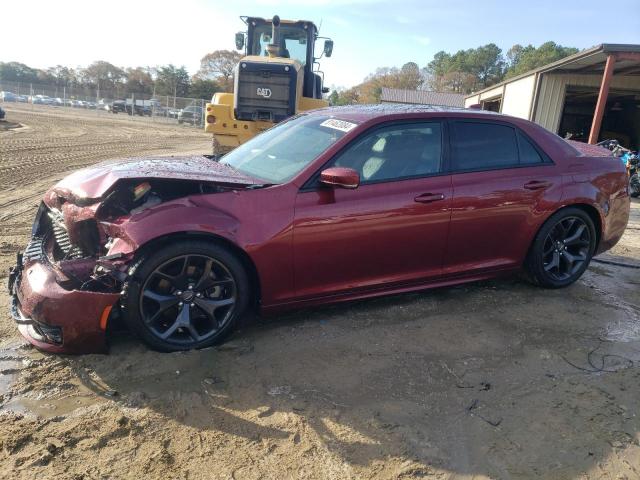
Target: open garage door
<point>621,120</point>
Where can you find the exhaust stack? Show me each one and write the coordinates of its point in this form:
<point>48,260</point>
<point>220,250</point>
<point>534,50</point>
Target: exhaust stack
<point>274,49</point>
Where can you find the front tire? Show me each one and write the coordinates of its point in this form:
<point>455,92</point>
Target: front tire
<point>187,295</point>
<point>562,249</point>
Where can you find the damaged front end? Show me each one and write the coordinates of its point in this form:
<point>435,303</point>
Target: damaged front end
<point>59,301</point>
<point>67,281</point>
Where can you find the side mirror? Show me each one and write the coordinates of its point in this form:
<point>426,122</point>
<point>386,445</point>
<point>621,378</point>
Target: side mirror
<point>240,40</point>
<point>328,48</point>
<point>340,177</point>
<point>325,90</point>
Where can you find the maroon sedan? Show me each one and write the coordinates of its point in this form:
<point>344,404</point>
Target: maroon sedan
<point>333,205</point>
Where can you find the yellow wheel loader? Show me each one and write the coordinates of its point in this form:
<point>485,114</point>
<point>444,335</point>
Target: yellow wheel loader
<point>273,81</point>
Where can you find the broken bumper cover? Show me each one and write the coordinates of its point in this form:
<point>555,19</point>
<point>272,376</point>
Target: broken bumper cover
<point>53,318</point>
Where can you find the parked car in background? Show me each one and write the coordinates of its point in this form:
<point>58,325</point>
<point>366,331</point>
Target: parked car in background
<point>332,205</point>
<point>40,100</point>
<point>138,107</point>
<point>192,114</point>
<point>118,106</point>
<point>58,102</point>
<point>8,97</point>
<point>22,98</point>
<point>104,105</point>
<point>159,111</point>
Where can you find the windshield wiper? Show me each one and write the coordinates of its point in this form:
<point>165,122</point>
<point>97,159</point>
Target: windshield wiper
<point>259,185</point>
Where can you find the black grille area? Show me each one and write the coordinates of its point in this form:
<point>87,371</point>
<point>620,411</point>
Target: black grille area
<point>63,247</point>
<point>34,250</point>
<point>265,93</point>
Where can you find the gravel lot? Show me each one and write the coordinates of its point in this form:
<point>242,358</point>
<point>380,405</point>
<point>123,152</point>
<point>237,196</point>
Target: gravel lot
<point>488,380</point>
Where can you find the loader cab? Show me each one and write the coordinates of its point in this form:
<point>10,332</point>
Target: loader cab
<point>274,80</point>
<point>295,41</point>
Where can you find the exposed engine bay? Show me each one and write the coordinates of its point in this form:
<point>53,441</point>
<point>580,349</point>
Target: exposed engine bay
<point>74,237</point>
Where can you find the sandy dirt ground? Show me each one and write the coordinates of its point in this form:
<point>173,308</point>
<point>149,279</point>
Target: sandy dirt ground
<point>488,380</point>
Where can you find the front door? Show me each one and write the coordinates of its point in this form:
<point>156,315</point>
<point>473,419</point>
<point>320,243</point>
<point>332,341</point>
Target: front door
<point>391,230</point>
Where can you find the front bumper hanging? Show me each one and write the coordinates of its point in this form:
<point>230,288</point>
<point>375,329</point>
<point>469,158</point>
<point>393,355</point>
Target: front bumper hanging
<point>51,317</point>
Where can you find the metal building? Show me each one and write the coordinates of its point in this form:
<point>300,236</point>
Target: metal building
<point>590,96</point>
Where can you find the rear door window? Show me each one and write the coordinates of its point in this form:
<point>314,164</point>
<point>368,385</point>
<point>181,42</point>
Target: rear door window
<point>482,146</point>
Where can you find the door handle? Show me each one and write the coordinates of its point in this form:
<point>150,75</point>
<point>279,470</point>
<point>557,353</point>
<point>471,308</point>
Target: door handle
<point>537,185</point>
<point>429,197</point>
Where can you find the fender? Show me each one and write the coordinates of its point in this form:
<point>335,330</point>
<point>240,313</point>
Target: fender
<point>602,192</point>
<point>193,215</point>
<point>168,218</point>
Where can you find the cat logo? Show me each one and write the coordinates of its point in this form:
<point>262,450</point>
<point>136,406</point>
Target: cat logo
<point>264,92</point>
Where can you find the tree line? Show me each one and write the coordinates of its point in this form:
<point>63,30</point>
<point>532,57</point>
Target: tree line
<point>110,81</point>
<point>461,72</point>
<point>464,71</point>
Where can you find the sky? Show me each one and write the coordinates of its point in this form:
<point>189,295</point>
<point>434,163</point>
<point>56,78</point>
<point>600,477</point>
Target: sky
<point>367,33</point>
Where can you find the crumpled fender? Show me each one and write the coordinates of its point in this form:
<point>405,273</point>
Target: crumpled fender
<point>178,216</point>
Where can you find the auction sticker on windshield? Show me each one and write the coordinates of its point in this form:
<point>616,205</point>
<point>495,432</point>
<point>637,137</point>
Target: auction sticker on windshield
<point>339,125</point>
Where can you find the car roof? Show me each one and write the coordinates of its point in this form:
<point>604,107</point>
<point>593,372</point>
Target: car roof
<point>362,113</point>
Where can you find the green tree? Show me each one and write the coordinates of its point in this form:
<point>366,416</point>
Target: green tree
<point>172,80</point>
<point>63,76</point>
<point>103,75</point>
<point>466,70</point>
<point>522,59</point>
<point>486,64</point>
<point>17,72</point>
<point>334,97</point>
<point>203,88</point>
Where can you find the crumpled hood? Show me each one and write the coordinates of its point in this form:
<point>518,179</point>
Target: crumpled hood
<point>93,182</point>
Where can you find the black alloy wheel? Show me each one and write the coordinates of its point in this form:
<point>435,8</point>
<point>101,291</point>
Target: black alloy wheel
<point>189,295</point>
<point>566,248</point>
<point>562,249</point>
<point>188,298</point>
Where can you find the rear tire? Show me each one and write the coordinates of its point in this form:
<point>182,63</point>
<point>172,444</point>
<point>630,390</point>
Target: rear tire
<point>634,185</point>
<point>562,249</point>
<point>187,295</point>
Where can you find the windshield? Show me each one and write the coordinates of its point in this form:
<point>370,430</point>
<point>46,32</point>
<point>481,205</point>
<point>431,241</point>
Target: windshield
<point>293,39</point>
<point>280,153</point>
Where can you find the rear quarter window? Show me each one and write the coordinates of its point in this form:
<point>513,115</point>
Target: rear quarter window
<point>529,155</point>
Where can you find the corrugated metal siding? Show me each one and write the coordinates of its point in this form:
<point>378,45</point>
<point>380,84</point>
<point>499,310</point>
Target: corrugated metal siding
<point>518,96</point>
<point>550,101</point>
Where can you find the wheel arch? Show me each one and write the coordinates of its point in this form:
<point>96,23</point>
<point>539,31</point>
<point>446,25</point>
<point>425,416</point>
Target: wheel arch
<point>595,216</point>
<point>589,209</point>
<point>243,256</point>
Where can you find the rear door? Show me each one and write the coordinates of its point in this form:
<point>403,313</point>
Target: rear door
<point>391,230</point>
<point>502,184</point>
